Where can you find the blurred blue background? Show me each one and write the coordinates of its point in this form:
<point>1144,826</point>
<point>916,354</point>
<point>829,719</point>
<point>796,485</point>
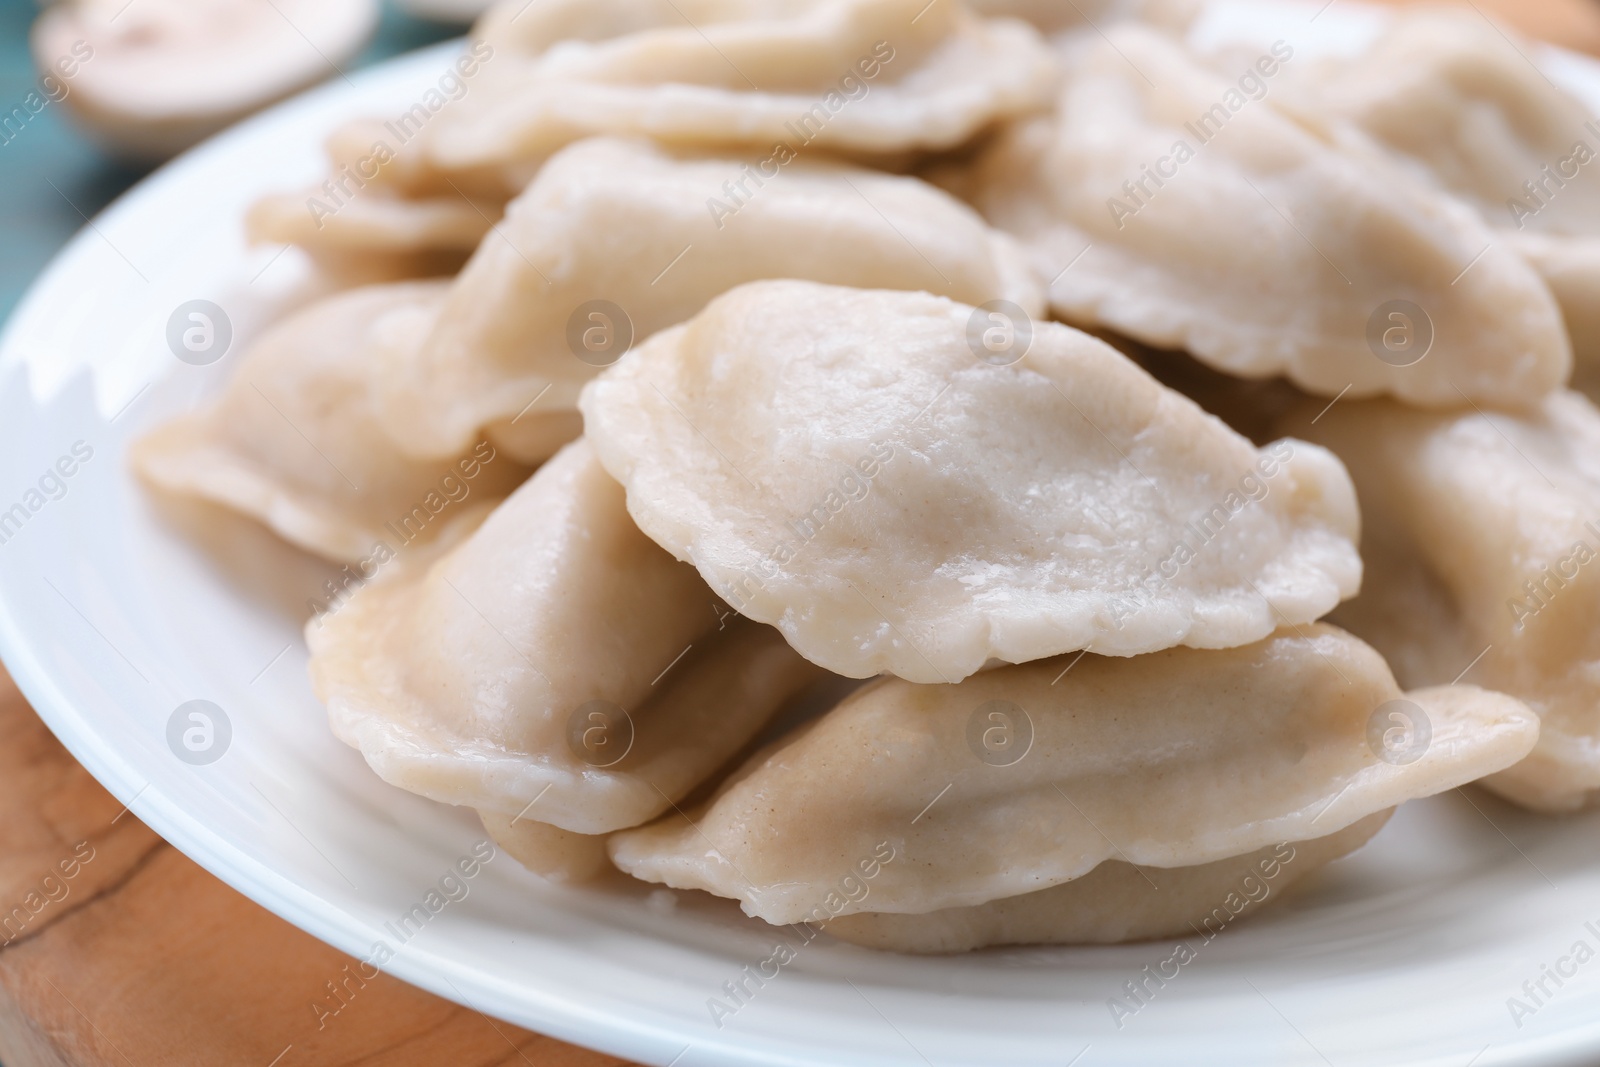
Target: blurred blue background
<point>52,177</point>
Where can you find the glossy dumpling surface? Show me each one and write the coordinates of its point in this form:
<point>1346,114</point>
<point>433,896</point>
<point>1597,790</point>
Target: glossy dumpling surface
<point>1482,543</point>
<point>1022,778</point>
<point>841,464</point>
<point>294,439</point>
<point>1260,241</point>
<point>617,239</point>
<point>497,676</point>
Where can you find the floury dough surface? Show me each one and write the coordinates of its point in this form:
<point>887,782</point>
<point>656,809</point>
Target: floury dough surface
<point>841,464</point>
<point>1482,539</point>
<point>1174,759</point>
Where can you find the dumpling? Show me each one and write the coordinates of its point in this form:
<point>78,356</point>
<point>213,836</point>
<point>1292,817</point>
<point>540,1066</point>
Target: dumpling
<point>872,77</point>
<point>1481,546</point>
<point>1209,219</point>
<point>385,211</point>
<point>552,853</point>
<point>884,79</point>
<point>1459,99</point>
<point>617,239</point>
<point>378,237</point>
<point>1571,267</point>
<point>856,468</point>
<point>555,667</point>
<point>294,439</point>
<point>1115,902</point>
<point>1449,91</point>
<point>909,799</point>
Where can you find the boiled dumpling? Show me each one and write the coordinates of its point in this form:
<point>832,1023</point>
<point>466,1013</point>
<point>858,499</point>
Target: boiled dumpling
<point>1115,902</point>
<point>555,667</point>
<point>862,76</point>
<point>1206,218</point>
<point>1457,98</point>
<point>293,440</point>
<point>1023,778</point>
<point>385,211</point>
<point>844,464</point>
<point>552,853</point>
<point>874,78</point>
<point>1481,547</point>
<point>1449,91</point>
<point>1571,267</point>
<point>617,239</point>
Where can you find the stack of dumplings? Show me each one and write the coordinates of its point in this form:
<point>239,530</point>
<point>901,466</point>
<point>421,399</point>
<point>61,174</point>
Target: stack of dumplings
<point>881,463</point>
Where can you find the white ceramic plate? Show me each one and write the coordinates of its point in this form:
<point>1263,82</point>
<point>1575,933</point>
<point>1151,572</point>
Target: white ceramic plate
<point>113,613</point>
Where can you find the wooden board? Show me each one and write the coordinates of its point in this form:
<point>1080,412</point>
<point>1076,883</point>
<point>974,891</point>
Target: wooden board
<point>120,952</point>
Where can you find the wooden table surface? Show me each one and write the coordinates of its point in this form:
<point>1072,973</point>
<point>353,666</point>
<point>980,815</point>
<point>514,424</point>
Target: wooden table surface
<point>142,959</point>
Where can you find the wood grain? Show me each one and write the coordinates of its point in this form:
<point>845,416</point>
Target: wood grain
<point>142,959</point>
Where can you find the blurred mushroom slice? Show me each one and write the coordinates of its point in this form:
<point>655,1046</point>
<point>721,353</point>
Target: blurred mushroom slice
<point>1210,219</point>
<point>859,468</point>
<point>554,667</point>
<point>1481,536</point>
<point>293,441</point>
<point>164,74</point>
<point>617,239</point>
<point>910,799</point>
<point>868,77</point>
<point>1115,902</point>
